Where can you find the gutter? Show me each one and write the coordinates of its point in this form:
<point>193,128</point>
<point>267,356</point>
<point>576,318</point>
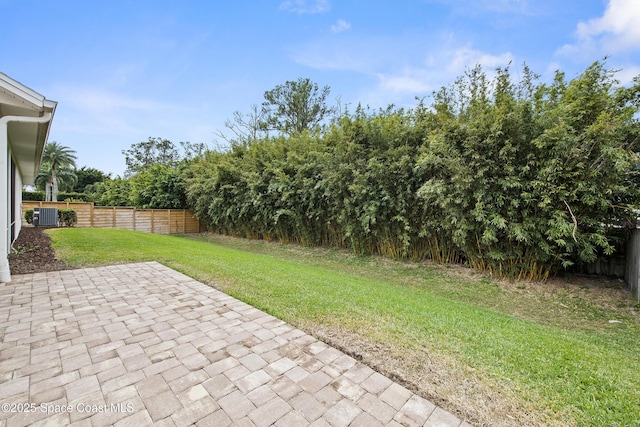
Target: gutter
<point>5,244</point>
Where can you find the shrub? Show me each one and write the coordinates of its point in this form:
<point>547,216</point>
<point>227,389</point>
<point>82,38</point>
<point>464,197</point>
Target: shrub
<point>67,217</point>
<point>74,197</point>
<point>28,216</point>
<point>518,179</point>
<point>34,196</point>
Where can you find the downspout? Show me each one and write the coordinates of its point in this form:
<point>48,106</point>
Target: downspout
<point>5,273</point>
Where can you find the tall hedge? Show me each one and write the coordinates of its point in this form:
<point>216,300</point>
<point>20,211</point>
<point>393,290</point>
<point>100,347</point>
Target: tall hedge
<point>517,178</point>
<point>37,196</point>
<point>159,186</point>
<point>525,179</point>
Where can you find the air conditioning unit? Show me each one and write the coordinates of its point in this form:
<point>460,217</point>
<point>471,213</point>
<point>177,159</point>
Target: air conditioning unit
<point>45,217</point>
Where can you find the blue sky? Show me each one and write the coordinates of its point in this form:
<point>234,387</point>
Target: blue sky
<point>124,71</point>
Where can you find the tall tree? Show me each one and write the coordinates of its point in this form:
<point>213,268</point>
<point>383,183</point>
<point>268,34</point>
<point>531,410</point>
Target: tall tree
<point>246,128</point>
<point>146,153</point>
<point>158,151</point>
<point>295,107</point>
<point>192,150</point>
<point>159,187</point>
<point>88,176</point>
<point>57,167</point>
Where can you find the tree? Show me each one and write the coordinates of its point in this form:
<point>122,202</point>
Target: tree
<point>57,167</point>
<point>88,176</point>
<point>160,151</point>
<point>159,187</point>
<point>113,192</point>
<point>246,128</point>
<point>146,153</point>
<point>295,107</point>
<point>192,150</point>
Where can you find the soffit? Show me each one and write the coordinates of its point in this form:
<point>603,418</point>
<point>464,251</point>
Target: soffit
<point>26,140</point>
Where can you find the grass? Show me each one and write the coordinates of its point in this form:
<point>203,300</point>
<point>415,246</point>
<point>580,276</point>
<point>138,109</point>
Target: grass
<point>494,353</point>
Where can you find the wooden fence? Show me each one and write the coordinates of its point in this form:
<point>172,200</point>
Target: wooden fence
<point>632,270</point>
<point>160,221</point>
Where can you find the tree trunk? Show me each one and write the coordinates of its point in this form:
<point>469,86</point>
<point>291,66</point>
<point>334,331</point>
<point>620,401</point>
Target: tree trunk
<point>54,186</point>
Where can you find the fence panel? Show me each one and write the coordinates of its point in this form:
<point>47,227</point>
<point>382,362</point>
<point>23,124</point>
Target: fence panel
<point>103,218</point>
<point>632,268</point>
<point>124,218</point>
<point>161,221</point>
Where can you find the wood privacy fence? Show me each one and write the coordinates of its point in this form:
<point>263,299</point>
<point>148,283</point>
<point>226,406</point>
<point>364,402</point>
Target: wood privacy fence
<point>632,270</point>
<point>160,221</point>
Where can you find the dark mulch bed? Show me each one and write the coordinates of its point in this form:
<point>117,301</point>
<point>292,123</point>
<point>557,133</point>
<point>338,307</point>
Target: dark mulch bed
<point>32,253</point>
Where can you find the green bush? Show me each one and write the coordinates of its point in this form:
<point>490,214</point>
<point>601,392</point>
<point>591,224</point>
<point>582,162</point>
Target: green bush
<point>33,196</point>
<point>74,197</point>
<point>67,217</point>
<point>518,179</point>
<point>39,196</point>
<point>28,216</point>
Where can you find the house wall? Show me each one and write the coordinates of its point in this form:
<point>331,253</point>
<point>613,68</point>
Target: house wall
<point>5,202</point>
<point>6,189</point>
<point>17,208</point>
<point>25,120</point>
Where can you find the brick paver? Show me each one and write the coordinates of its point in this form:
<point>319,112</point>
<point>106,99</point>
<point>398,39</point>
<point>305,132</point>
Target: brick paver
<point>142,344</point>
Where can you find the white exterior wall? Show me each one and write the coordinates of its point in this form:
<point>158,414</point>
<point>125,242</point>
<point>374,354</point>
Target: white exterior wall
<point>18,207</point>
<point>5,210</point>
<point>25,121</point>
<point>5,201</point>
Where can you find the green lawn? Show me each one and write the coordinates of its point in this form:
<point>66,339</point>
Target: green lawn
<point>498,354</point>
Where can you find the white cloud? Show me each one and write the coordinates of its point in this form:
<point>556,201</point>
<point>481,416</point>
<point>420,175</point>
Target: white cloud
<point>411,81</point>
<point>617,30</point>
<point>99,100</point>
<point>306,6</point>
<point>439,69</point>
<point>619,26</point>
<point>340,26</point>
<point>100,122</point>
<point>466,57</point>
<point>349,54</point>
<point>401,67</point>
<point>626,74</point>
<point>98,108</point>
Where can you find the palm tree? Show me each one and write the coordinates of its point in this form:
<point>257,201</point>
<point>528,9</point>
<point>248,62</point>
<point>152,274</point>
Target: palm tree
<point>57,167</point>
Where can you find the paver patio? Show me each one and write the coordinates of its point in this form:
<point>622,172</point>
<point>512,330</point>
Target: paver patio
<point>141,344</point>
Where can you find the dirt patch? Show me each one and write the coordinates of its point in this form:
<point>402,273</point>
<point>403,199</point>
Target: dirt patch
<point>32,253</point>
